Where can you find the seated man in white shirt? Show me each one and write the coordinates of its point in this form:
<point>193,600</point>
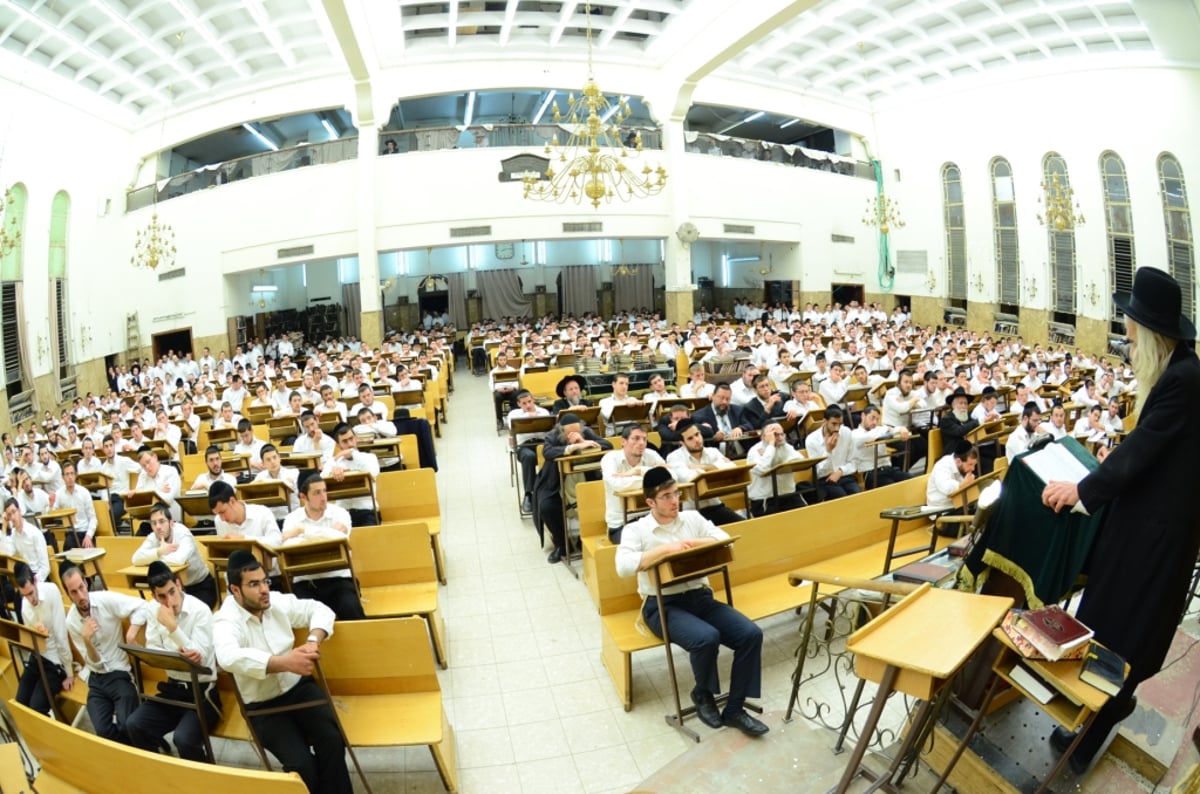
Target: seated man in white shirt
<point>329,404</point>
<point>769,452</point>
<point>226,418</point>
<point>691,460</point>
<point>77,497</point>
<point>253,639</point>
<point>1112,417</point>
<point>46,472</point>
<point>21,538</point>
<point>313,439</point>
<point>525,445</point>
<point>834,442</point>
<point>1018,439</point>
<point>163,480</point>
<point>41,608</point>
<point>950,473</point>
<point>622,469</point>
<point>1090,427</point>
<point>696,385</point>
<point>873,461</point>
<point>318,520</point>
<point>345,458</point>
<point>833,388</point>
<point>173,543</point>
<point>33,501</point>
<point>273,469</point>
<point>742,389</point>
<point>249,445</point>
<point>1057,426</point>
<point>620,396</point>
<point>698,623</point>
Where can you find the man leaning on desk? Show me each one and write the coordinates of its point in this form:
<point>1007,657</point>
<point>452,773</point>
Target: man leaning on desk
<point>698,622</point>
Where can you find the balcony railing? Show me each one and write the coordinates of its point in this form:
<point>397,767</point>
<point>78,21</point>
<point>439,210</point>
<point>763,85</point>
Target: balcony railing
<point>785,154</point>
<point>533,136</point>
<point>301,156</point>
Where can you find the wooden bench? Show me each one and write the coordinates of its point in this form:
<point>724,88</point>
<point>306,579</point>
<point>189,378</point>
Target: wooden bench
<point>382,678</point>
<point>844,536</point>
<point>75,761</point>
<point>411,496</point>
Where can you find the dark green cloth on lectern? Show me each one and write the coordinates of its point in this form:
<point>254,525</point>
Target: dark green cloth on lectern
<point>1043,550</point>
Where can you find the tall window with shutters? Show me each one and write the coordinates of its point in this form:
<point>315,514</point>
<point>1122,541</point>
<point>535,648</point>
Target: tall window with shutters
<point>1062,249</point>
<point>1004,225</point>
<point>60,327</point>
<point>956,236</point>
<point>1118,221</point>
<point>1181,250</point>
<point>11,270</point>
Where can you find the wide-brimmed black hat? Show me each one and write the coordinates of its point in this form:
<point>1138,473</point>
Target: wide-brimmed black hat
<point>959,392</point>
<point>562,384</point>
<point>1156,303</point>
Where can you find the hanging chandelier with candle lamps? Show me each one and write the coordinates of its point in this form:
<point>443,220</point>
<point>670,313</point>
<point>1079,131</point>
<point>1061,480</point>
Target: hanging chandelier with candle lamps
<point>883,212</point>
<point>588,165</point>
<point>154,246</point>
<point>1059,215</point>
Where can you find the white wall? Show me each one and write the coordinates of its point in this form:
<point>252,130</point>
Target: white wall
<point>1136,113</point>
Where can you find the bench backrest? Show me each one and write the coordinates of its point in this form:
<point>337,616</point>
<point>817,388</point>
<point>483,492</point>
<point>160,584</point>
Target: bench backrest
<point>88,763</point>
<point>392,554</point>
<point>590,498</point>
<point>541,384</point>
<point>408,494</point>
<point>379,656</point>
<point>118,552</point>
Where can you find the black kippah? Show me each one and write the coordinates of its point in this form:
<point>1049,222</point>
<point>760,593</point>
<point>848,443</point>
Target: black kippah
<point>656,477</point>
<point>240,558</point>
<point>158,568</point>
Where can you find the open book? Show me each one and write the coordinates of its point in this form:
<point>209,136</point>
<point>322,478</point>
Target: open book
<point>1055,462</point>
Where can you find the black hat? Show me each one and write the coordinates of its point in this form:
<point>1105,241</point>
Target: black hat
<point>959,392</point>
<point>562,384</point>
<point>656,477</point>
<point>569,419</point>
<point>1156,303</point>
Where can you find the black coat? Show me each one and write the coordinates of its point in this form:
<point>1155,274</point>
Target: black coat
<point>756,415</point>
<point>561,404</point>
<point>547,484</point>
<point>954,430</point>
<point>1141,561</point>
<point>706,420</point>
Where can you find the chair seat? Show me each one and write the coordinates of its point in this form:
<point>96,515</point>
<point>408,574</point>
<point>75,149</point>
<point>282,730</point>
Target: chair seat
<point>387,720</point>
<point>398,600</point>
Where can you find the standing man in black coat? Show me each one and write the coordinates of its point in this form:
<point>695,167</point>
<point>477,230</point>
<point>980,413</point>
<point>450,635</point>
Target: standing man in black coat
<point>1142,559</point>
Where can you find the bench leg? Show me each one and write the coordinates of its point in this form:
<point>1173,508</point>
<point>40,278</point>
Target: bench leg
<point>620,669</point>
<point>439,561</point>
<point>445,758</point>
<point>437,635</point>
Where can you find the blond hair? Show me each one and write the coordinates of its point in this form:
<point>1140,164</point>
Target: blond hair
<point>1149,357</point>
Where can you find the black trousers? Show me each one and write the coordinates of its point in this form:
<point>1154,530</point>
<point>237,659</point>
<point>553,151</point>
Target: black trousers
<point>700,624</point>
<point>720,514</point>
<point>503,398</point>
<point>550,508</point>
<point>111,695</point>
<point>527,458</point>
<point>290,735</point>
<point>336,592</point>
<point>885,475</point>
<point>785,501</point>
<point>205,590</point>
<point>30,689</point>
<point>846,485</point>
<point>363,518</point>
<point>152,721</point>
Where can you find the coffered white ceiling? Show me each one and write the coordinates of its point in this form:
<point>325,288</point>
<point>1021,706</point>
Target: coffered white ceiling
<point>149,57</point>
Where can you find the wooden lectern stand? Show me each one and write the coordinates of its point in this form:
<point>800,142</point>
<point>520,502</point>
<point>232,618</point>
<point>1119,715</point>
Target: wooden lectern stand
<point>678,568</point>
<point>169,660</point>
<point>20,637</point>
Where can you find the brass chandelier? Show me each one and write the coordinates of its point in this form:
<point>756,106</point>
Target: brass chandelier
<point>883,212</point>
<point>588,165</point>
<point>154,246</point>
<point>1060,215</point>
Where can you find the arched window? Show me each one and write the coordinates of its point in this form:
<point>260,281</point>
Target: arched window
<point>1061,241</point>
<point>1004,224</point>
<point>1181,254</point>
<point>1118,220</point>
<point>12,314</point>
<point>60,326</point>
<point>956,236</point>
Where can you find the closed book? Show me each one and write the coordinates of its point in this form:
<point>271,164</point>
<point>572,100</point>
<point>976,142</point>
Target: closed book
<point>1053,630</point>
<point>922,572</point>
<point>1103,668</point>
<point>959,547</point>
<point>1034,686</point>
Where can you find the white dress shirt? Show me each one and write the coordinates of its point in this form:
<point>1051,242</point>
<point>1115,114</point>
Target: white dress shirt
<point>193,632</point>
<point>842,456</point>
<point>50,613</point>
<point>762,457</point>
<point>943,481</point>
<point>685,467</point>
<point>319,529</point>
<point>244,644</point>
<point>109,609</point>
<point>29,544</point>
<point>85,512</point>
<point>618,476</point>
<point>358,461</point>
<point>188,554</point>
<point>646,533</point>
<point>166,485</point>
<point>291,477</point>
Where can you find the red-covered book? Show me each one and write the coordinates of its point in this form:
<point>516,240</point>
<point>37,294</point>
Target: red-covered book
<point>1052,630</point>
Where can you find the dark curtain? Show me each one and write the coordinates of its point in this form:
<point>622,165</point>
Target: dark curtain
<point>502,294</point>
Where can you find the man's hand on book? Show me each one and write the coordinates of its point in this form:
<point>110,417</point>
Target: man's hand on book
<point>1059,494</point>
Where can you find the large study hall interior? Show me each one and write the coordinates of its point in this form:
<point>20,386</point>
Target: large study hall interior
<point>482,273</point>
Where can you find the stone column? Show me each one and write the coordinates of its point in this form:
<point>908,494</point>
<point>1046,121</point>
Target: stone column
<point>368,254</point>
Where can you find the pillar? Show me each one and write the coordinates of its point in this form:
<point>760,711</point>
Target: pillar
<point>368,255</point>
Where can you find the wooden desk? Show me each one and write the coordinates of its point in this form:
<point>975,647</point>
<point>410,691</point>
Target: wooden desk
<point>281,427</point>
<point>574,465</point>
<point>904,514</point>
<point>313,557</point>
<point>136,576</point>
<point>951,625</point>
<point>678,568</point>
<point>88,561</point>
<point>633,500</point>
<point>732,481</point>
<point>792,467</point>
<point>382,447</point>
<point>94,480</point>
<point>195,504</point>
<point>1074,706</point>
<point>139,503</point>
<point>300,460</point>
<point>353,484</point>
<point>59,523</point>
<point>235,463</point>
<point>270,493</point>
<point>222,436</point>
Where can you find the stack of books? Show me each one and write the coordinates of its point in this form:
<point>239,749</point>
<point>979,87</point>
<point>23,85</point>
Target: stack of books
<point>1048,633</point>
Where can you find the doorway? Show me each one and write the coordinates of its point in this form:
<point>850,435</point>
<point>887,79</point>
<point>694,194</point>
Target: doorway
<point>847,293</point>
<point>178,341</point>
<point>778,292</point>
